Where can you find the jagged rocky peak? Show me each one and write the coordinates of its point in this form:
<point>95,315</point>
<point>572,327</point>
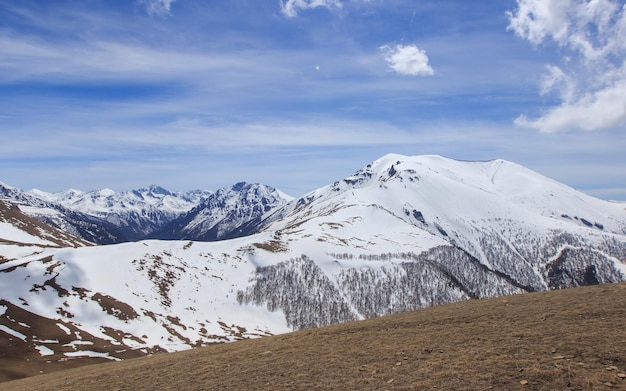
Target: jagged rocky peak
<point>390,167</point>
<point>6,190</point>
<point>70,193</point>
<point>14,194</point>
<point>223,214</point>
<point>240,186</point>
<point>154,191</point>
<point>244,193</point>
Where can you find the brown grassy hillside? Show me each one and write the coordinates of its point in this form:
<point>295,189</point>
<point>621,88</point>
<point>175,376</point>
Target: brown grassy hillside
<point>562,340</point>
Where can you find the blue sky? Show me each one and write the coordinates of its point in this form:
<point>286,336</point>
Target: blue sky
<point>299,93</point>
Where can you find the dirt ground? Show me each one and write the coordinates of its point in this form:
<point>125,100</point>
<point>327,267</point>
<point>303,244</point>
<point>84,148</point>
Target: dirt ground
<point>572,339</point>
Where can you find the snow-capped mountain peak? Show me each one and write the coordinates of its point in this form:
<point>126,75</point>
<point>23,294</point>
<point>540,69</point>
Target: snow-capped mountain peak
<point>449,187</point>
<point>222,213</point>
<point>155,191</point>
<point>463,203</point>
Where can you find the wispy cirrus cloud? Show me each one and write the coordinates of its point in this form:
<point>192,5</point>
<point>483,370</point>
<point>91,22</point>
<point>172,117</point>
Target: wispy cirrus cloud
<point>158,7</point>
<point>406,60</point>
<point>291,8</point>
<point>591,79</point>
<point>22,58</point>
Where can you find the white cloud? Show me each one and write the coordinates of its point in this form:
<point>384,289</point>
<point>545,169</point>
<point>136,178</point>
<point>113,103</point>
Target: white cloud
<point>290,8</point>
<point>558,80</point>
<point>158,7</point>
<point>406,60</point>
<point>605,108</point>
<point>21,59</point>
<point>591,81</point>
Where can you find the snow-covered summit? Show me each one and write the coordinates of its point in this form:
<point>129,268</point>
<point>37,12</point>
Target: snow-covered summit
<point>445,187</point>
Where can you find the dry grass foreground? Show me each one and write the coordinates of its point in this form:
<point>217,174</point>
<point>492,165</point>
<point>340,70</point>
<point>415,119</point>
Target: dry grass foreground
<point>560,340</point>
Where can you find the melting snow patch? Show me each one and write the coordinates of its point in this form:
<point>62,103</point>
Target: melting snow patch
<point>74,343</point>
<point>47,340</point>
<point>44,350</point>
<point>64,328</point>
<point>13,332</point>
<point>3,309</point>
<point>89,353</point>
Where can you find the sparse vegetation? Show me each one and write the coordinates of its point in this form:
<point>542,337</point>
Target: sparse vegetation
<point>114,307</point>
<point>572,339</point>
<point>274,246</point>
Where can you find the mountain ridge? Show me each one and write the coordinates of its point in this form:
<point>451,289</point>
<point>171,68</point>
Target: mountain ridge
<point>85,226</point>
<point>147,212</point>
<point>136,212</point>
<point>221,214</point>
<point>400,234</point>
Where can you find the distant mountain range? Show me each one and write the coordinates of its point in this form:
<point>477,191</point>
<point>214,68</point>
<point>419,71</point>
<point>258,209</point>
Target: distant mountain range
<point>222,214</point>
<point>107,217</point>
<point>80,224</point>
<point>402,233</point>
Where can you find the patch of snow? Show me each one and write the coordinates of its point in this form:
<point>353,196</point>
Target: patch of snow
<point>89,353</point>
<point>44,350</point>
<point>64,328</point>
<point>47,341</point>
<point>73,344</point>
<point>12,332</point>
<point>3,309</point>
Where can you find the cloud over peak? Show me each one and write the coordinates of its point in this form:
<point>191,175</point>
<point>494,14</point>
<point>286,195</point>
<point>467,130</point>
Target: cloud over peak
<point>591,79</point>
<point>406,60</point>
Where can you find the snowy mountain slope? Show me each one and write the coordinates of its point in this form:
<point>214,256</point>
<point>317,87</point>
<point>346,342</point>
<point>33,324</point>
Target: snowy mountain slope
<point>140,295</point>
<point>402,233</point>
<point>18,228</point>
<point>221,215</point>
<point>511,219</point>
<point>76,223</point>
<point>137,213</point>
